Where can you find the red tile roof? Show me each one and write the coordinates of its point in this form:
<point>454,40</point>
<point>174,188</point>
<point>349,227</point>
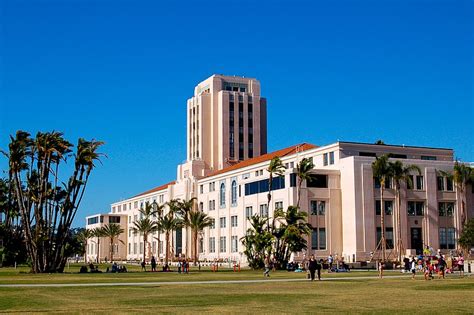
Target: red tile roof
<point>162,187</point>
<point>266,157</point>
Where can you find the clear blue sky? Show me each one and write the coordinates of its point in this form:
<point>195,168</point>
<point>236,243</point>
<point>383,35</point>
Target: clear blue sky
<point>121,72</point>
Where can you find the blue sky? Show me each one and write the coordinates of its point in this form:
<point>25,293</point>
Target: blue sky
<point>121,72</point>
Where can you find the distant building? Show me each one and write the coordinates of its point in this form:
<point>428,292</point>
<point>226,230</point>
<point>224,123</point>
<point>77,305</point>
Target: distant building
<point>226,171</point>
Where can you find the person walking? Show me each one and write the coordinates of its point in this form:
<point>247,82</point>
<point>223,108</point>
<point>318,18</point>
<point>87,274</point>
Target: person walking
<point>143,264</point>
<point>319,266</point>
<point>179,266</point>
<point>153,263</point>
<point>312,266</point>
<point>266,273</point>
<point>441,267</point>
<point>413,268</point>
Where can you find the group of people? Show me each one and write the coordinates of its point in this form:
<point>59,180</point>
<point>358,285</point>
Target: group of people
<point>430,265</point>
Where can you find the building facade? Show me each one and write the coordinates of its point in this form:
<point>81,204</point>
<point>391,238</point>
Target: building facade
<point>342,198</point>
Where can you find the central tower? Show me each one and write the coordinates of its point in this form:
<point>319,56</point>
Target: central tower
<point>226,121</point>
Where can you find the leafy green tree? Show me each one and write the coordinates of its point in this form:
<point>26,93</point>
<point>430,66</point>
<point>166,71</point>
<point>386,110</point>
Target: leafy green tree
<point>46,204</point>
<point>257,241</point>
<point>84,235</point>
<point>291,234</point>
<point>466,239</point>
<point>197,222</point>
<point>399,173</point>
<point>382,172</point>
<point>303,169</point>
<point>112,231</point>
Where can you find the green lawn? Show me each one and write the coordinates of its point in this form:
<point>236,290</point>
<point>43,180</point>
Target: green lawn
<point>403,295</point>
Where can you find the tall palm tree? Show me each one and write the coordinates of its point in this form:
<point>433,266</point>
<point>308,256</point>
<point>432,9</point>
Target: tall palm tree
<point>275,167</point>
<point>112,231</point>
<point>158,213</point>
<point>197,222</point>
<point>382,172</point>
<point>399,173</point>
<point>303,169</point>
<point>98,232</point>
<point>174,211</point>
<point>84,237</point>
<point>186,207</point>
<point>145,226</point>
<point>168,224</point>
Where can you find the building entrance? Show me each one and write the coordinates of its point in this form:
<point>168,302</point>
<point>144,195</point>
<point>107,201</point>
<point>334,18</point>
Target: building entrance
<point>417,240</point>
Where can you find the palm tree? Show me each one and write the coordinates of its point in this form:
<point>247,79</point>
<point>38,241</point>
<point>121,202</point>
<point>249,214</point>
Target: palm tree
<point>275,167</point>
<point>197,222</point>
<point>186,207</point>
<point>158,213</point>
<point>382,172</point>
<point>462,176</point>
<point>174,212</point>
<point>84,237</point>
<point>400,172</point>
<point>112,231</point>
<point>168,224</point>
<point>145,226</point>
<point>98,232</point>
<point>303,168</point>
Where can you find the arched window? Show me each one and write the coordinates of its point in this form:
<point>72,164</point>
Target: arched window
<point>233,193</point>
<point>222,195</point>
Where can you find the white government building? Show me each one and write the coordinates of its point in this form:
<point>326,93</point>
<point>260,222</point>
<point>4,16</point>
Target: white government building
<point>225,170</point>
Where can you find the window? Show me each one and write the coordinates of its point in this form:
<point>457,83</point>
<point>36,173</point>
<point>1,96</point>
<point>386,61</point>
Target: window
<point>213,224</point>
<point>222,244</point>
<point>388,183</point>
<point>201,189</point>
<point>428,158</point>
<point>248,212</point>
<point>93,220</point>
<point>153,247</point>
<point>318,207</point>
<point>135,248</point>
<point>246,175</point>
<point>371,154</point>
<point>135,204</point>
<point>212,186</point>
<point>264,210</point>
<point>234,244</point>
<point>331,158</point>
<point>410,182</point>
<point>222,195</point>
<point>129,219</point>
<point>449,184</point>
<point>317,181</point>
<point>447,238</point>
<point>388,236</point>
<point>233,221</point>
<point>222,223</point>
<point>419,182</point>
<point>233,193</point>
<point>262,185</point>
<point>388,204</point>
<point>446,209</point>
<point>114,219</point>
<point>293,180</point>
<point>130,248</point>
<point>113,209</point>
<point>325,159</point>
<point>415,208</point>
<point>130,233</point>
<point>212,205</point>
<point>318,239</point>
<point>201,245</point>
<point>212,244</point>
<point>201,206</point>
<point>279,205</point>
<point>440,183</point>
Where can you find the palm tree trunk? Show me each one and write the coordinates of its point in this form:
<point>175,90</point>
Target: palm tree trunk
<point>299,192</point>
<point>195,236</point>
<point>111,249</point>
<point>399,226</point>
<point>382,221</point>
<point>98,250</point>
<point>167,240</point>
<point>145,239</point>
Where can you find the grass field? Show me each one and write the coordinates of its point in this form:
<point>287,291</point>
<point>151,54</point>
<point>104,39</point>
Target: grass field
<point>394,295</point>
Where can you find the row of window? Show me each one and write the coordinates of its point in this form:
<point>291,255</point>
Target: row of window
<point>125,206</point>
<point>223,222</point>
<point>417,182</point>
<point>138,248</point>
<point>234,244</point>
<point>416,208</point>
